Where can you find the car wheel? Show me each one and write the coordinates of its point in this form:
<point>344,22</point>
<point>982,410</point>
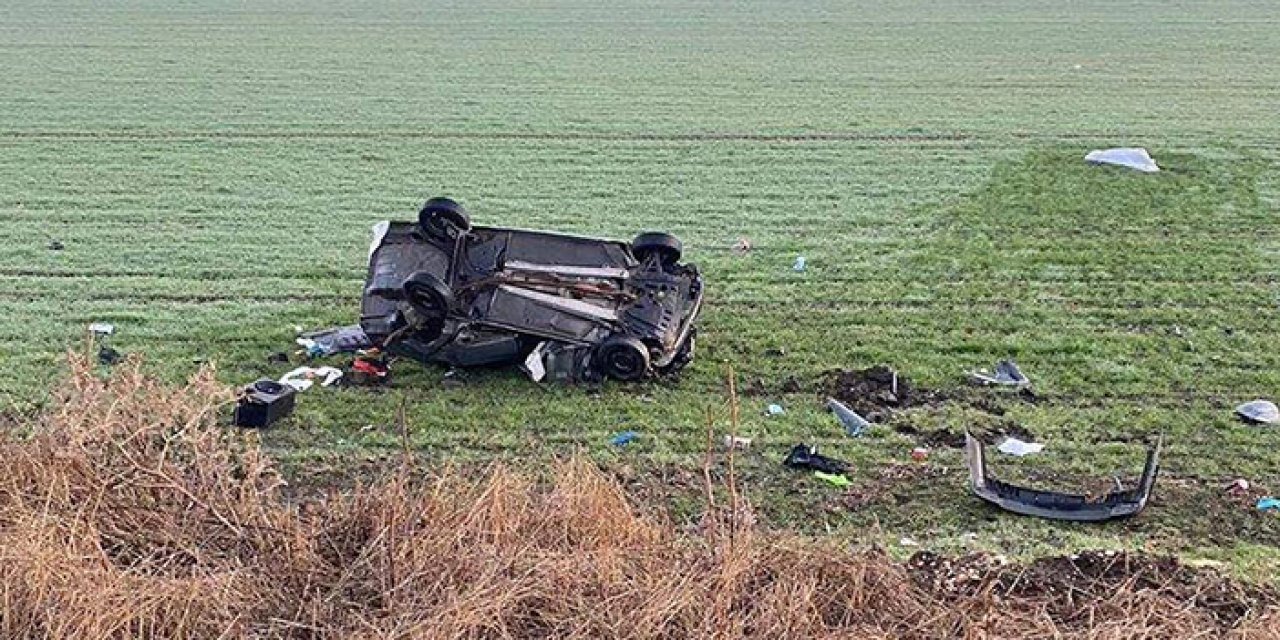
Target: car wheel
<point>623,358</point>
<point>431,299</point>
<point>665,246</point>
<point>443,218</point>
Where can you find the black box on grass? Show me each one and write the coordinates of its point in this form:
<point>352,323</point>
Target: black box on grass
<point>263,403</point>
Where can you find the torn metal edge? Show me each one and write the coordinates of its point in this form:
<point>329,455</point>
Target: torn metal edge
<point>1054,505</point>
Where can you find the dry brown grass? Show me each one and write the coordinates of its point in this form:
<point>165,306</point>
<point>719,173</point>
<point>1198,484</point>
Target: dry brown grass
<point>125,511</point>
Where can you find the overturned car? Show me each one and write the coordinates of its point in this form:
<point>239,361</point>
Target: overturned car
<point>567,307</point>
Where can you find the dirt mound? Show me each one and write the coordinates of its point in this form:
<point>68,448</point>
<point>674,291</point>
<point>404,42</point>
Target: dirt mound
<point>126,511</point>
<point>875,391</point>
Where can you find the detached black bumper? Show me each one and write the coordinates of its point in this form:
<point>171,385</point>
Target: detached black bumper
<point>1059,506</point>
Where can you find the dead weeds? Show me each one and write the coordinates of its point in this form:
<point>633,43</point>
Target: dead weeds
<point>126,511</point>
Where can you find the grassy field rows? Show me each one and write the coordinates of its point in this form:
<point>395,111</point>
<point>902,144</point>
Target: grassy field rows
<point>212,172</point>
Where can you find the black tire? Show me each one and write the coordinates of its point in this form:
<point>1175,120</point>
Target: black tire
<point>667,247</point>
<point>443,218</point>
<point>431,299</point>
<point>622,358</point>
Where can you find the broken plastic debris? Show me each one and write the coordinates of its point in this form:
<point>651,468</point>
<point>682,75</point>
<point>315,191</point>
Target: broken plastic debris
<point>1239,486</point>
<point>1016,447</point>
<point>1268,504</point>
<point>737,442</point>
<point>302,378</point>
<point>1135,158</point>
<point>109,356</point>
<point>349,339</point>
<point>1006,374</point>
<point>743,245</point>
<point>799,265</point>
<point>854,424</point>
<point>832,478</point>
<point>1059,506</point>
<point>624,438</point>
<point>1259,412</point>
<point>803,456</point>
<point>919,454</point>
<point>908,542</point>
<point>102,328</point>
<point>775,410</point>
<point>533,363</point>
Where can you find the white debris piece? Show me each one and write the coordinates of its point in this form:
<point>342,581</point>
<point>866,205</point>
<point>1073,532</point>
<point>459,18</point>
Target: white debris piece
<point>1135,158</point>
<point>533,364</point>
<point>102,328</point>
<point>1007,374</point>
<point>302,378</point>
<point>1016,447</point>
<point>1259,412</point>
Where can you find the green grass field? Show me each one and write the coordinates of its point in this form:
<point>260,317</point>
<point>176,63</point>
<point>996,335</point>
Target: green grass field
<point>212,170</point>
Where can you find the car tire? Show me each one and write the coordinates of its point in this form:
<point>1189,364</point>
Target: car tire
<point>431,299</point>
<point>665,246</point>
<point>622,358</point>
<point>443,219</point>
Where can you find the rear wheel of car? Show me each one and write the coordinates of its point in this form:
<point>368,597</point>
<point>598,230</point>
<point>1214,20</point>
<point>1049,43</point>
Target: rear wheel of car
<point>623,358</point>
<point>430,298</point>
<point>665,246</point>
<point>443,218</point>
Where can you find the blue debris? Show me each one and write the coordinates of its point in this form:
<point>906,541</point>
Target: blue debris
<point>1269,504</point>
<point>622,439</point>
<point>799,265</point>
<point>775,410</point>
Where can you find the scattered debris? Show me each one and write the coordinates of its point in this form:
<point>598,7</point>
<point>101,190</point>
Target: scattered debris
<point>368,368</point>
<point>737,443</point>
<point>776,352</point>
<point>1268,504</point>
<point>1059,506</point>
<point>101,331</point>
<point>775,410</point>
<point>1259,412</point>
<point>799,265</point>
<point>908,542</point>
<point>1006,374</point>
<point>56,245</point>
<point>1239,487</point>
<point>838,480</point>
<point>263,403</point>
<point>454,379</point>
<point>920,454</point>
<point>1016,447</point>
<point>854,424</point>
<point>109,356</point>
<point>303,378</point>
<point>803,456</point>
<point>624,438</point>
<point>1130,157</point>
<point>327,342</point>
<point>743,245</point>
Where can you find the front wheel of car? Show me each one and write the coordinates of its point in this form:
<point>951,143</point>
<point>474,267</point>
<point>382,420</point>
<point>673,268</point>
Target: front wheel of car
<point>430,299</point>
<point>443,219</point>
<point>666,247</point>
<point>623,358</point>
